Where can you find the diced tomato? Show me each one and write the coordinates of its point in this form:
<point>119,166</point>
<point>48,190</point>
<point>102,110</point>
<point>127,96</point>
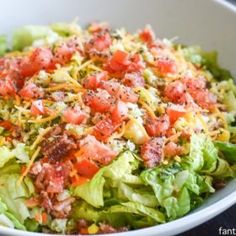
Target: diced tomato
<point>136,63</point>
<point>99,101</point>
<point>175,91</point>
<point>7,87</point>
<point>166,66</point>
<point>152,152</point>
<point>119,62</point>
<point>197,89</point>
<point>94,81</point>
<point>175,112</point>
<point>74,115</point>
<point>91,148</point>
<point>37,108</point>
<point>86,168</point>
<point>100,41</point>
<point>55,185</point>
<point>119,113</point>
<point>133,80</point>
<point>30,91</point>
<point>120,91</point>
<point>40,58</point>
<point>103,129</point>
<point>63,54</point>
<point>172,149</point>
<point>204,99</point>
<point>194,84</point>
<point>147,35</point>
<point>158,126</point>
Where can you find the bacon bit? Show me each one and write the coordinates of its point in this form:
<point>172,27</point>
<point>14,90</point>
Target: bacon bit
<point>171,149</point>
<point>58,146</point>
<point>157,126</point>
<point>152,152</point>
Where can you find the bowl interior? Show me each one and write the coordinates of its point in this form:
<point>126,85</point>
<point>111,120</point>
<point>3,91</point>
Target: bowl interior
<point>210,24</point>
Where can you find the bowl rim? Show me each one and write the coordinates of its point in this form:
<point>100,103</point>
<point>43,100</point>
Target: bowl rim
<point>180,225</point>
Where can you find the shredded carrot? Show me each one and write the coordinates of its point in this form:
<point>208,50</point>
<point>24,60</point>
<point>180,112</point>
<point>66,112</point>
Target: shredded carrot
<point>44,217</point>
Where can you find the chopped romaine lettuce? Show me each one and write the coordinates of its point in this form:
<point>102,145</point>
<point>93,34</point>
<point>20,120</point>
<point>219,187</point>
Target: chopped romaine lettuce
<point>26,35</point>
<point>208,59</point>
<point>3,45</point>
<point>14,194</point>
<point>228,149</point>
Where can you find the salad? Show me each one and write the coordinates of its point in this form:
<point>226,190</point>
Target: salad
<point>105,131</point>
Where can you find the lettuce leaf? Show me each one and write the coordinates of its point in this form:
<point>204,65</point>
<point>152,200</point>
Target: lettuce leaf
<point>139,209</point>
<point>139,195</point>
<point>92,192</point>
<point>3,45</point>
<point>5,155</point>
<point>26,35</point>
<point>8,219</point>
<point>203,154</point>
<point>13,194</point>
<point>228,149</point>
<point>209,60</point>
<point>177,188</point>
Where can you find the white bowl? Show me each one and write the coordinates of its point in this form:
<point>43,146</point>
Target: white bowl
<point>209,23</point>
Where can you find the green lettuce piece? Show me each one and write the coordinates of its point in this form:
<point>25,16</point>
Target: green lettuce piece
<point>5,155</point>
<point>8,219</point>
<point>139,209</point>
<point>21,153</point>
<point>92,192</point>
<point>230,101</point>
<point>228,149</point>
<point>3,45</point>
<point>13,194</point>
<point>208,60</point>
<point>140,195</point>
<point>82,210</point>
<point>26,35</point>
<point>65,29</point>
<point>203,154</point>
<point>223,169</point>
<point>177,187</point>
<point>177,206</point>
